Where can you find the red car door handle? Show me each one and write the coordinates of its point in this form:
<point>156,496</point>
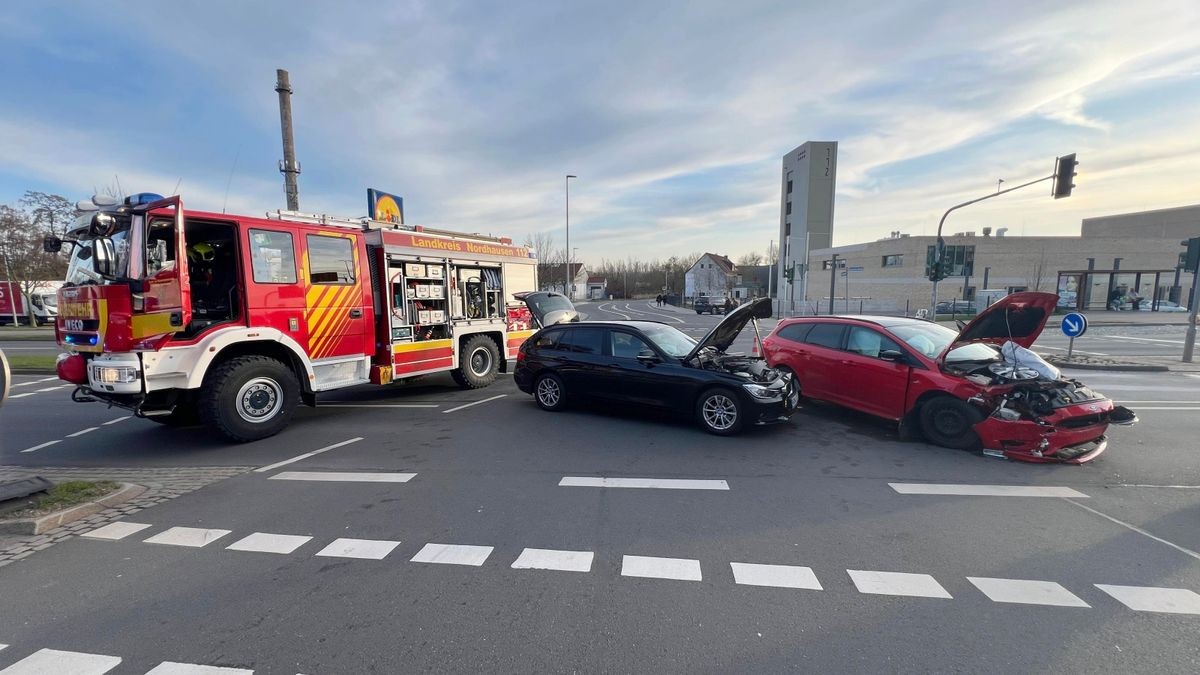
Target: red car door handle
<point>847,363</point>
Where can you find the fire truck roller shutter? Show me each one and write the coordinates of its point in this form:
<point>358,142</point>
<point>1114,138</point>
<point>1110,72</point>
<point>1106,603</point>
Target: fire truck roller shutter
<point>518,278</point>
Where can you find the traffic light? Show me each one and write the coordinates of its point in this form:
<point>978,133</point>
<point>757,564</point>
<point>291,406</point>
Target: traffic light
<point>1191,258</point>
<point>1064,176</point>
<point>789,273</point>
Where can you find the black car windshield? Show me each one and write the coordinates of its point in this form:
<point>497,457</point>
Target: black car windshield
<point>670,340</point>
<point>930,339</point>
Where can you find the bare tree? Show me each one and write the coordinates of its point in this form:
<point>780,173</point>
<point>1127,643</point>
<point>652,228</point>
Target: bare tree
<point>750,259</point>
<point>53,213</point>
<point>24,261</point>
<point>1037,273</point>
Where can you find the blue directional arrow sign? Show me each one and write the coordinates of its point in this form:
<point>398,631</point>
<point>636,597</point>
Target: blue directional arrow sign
<point>1074,325</point>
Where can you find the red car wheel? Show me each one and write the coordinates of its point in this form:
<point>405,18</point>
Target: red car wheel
<point>950,423</point>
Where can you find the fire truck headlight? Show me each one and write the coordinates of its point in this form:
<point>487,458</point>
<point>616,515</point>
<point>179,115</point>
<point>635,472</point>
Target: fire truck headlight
<point>115,374</point>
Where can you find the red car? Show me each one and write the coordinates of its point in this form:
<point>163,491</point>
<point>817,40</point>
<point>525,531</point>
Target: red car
<point>960,389</point>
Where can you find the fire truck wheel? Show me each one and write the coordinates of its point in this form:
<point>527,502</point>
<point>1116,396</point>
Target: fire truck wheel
<point>249,397</point>
<point>478,363</point>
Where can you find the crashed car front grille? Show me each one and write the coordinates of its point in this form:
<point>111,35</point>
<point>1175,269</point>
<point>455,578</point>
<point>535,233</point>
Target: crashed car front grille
<point>1084,421</point>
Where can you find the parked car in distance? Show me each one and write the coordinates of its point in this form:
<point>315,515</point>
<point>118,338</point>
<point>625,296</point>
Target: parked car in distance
<point>957,387</point>
<point>648,364</point>
<point>956,307</point>
<point>707,305</point>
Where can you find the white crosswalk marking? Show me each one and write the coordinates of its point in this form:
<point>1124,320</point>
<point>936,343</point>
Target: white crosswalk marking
<point>549,559</point>
<point>779,576</point>
<point>173,668</point>
<point>263,542</point>
<point>453,554</point>
<point>661,483</point>
<point>897,583</point>
<point>344,477</point>
<point>57,662</point>
<point>115,530</point>
<point>648,567</point>
<point>985,490</point>
<point>364,549</point>
<point>1155,599</point>
<point>193,537</point>
<point>1027,592</point>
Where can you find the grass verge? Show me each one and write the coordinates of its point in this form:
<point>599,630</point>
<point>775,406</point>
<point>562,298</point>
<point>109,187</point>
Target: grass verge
<point>65,495</point>
<point>31,362</point>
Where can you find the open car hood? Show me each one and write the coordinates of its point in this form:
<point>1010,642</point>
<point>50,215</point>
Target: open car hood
<point>549,308</point>
<point>1019,317</point>
<point>724,333</point>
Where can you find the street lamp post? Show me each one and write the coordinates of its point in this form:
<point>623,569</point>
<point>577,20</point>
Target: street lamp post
<point>567,282</point>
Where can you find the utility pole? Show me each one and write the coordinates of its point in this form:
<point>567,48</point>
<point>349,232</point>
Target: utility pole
<point>771,267</point>
<point>832,281</point>
<point>289,167</point>
<point>567,282</point>
<point>1189,340</point>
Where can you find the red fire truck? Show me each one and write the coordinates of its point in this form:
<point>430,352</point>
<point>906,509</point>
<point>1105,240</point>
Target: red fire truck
<point>189,317</point>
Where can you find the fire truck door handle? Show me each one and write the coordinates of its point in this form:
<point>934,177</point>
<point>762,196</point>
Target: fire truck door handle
<point>356,314</point>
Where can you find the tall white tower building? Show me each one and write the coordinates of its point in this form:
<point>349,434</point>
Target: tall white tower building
<point>805,216</point>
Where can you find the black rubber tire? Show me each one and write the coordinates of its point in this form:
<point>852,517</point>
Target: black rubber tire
<point>219,404</point>
<point>699,312</point>
<point>546,402</point>
<point>731,397</point>
<point>949,422</point>
<point>186,414</point>
<point>465,375</point>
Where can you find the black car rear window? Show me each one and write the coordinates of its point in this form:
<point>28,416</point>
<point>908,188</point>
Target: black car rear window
<point>826,335</point>
<point>549,339</point>
<point>795,332</point>
<point>583,341</point>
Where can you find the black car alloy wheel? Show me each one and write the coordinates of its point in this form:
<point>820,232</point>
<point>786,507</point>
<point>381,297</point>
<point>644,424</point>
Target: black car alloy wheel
<point>549,394</point>
<point>719,412</point>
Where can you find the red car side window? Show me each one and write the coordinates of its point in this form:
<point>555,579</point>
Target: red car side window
<point>828,335</point>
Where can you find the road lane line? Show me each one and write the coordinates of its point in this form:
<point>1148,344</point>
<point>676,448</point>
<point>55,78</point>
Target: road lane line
<point>1137,529</point>
<point>1027,592</point>
<point>45,661</point>
<point>80,433</point>
<point>452,554</point>
<point>33,382</point>
<point>119,419</point>
<point>549,559</point>
<point>613,311</point>
<point>985,490</point>
<point>61,386</point>
<point>897,583</point>
<point>344,477</point>
<point>115,531</point>
<point>1141,408</point>
<point>378,405</point>
<point>1154,598</point>
<point>306,455</point>
<point>468,405</point>
<point>191,537</point>
<point>176,668</point>
<point>265,542</point>
<point>43,445</point>
<point>31,393</point>
<point>363,549</point>
<point>668,316</point>
<point>647,567</point>
<point>776,576</point>
<point>659,483</point>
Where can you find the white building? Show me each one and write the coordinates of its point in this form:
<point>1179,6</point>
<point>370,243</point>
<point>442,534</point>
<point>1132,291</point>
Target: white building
<point>711,275</point>
<point>551,278</point>
<point>805,214</point>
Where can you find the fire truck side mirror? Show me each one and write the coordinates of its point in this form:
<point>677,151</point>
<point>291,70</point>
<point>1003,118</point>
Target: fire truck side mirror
<point>52,244</point>
<point>104,257</point>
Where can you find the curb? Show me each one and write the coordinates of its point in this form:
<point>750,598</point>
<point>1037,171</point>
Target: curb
<point>1114,367</point>
<point>42,524</point>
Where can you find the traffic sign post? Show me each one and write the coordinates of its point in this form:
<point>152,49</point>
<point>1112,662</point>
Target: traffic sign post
<point>1073,326</point>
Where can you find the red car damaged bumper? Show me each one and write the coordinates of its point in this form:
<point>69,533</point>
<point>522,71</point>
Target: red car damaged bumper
<point>1071,435</point>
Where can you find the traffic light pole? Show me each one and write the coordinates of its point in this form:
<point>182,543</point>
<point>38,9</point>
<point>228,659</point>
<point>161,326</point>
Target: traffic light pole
<point>1189,340</point>
<point>941,243</point>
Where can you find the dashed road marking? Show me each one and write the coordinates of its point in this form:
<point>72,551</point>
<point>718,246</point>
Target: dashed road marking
<point>1155,599</point>
<point>263,542</point>
<point>174,668</point>
<point>474,403</point>
<point>55,661</point>
<point>306,455</point>
<point>453,554</point>
<point>985,490</point>
<point>344,477</point>
<point>897,583</point>
<point>33,382</point>
<point>114,531</point>
<point>1177,547</point>
<point>647,567</point>
<point>77,434</point>
<point>648,483</point>
<point>777,576</point>
<point>548,559</point>
<point>118,420</point>
<point>364,549</point>
<point>42,445</point>
<point>192,537</point>
<point>1027,592</point>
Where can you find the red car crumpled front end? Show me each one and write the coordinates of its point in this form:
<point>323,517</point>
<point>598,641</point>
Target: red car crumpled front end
<point>1072,433</point>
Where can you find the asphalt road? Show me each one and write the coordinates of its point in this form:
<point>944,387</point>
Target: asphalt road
<point>815,496</point>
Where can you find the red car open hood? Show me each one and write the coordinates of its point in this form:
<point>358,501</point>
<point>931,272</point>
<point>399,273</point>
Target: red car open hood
<point>1019,317</point>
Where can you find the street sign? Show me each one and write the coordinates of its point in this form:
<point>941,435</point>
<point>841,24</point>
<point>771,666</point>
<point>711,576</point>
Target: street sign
<point>1074,325</point>
<point>856,269</point>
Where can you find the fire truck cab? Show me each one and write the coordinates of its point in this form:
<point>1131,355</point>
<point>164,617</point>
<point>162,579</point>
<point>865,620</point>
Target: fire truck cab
<point>189,317</point>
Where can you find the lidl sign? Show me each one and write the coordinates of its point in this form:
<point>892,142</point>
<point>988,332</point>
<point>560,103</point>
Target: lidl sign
<point>385,207</point>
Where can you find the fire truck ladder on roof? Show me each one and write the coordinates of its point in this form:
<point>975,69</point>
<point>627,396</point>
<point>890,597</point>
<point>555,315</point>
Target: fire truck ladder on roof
<point>366,224</point>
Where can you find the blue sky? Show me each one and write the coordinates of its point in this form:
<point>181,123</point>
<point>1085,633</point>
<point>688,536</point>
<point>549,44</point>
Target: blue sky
<point>674,115</point>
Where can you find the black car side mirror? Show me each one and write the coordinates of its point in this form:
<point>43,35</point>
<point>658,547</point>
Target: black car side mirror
<point>893,355</point>
<point>648,357</point>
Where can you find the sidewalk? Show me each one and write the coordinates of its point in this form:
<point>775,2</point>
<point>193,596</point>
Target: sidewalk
<point>1144,364</point>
